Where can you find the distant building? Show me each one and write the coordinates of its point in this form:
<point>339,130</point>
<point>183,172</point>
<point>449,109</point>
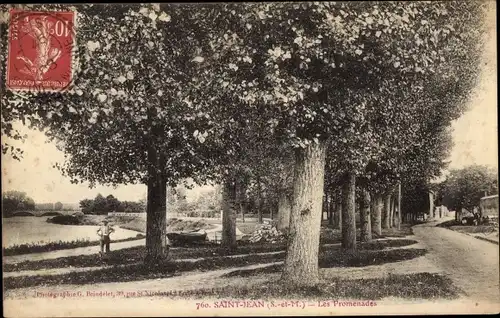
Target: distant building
<point>488,206</point>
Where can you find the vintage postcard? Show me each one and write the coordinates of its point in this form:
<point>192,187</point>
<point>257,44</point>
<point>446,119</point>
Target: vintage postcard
<point>249,159</point>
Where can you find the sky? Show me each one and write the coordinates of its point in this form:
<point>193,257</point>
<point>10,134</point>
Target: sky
<point>474,136</point>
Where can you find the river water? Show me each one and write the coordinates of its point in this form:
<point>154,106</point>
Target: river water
<point>33,229</point>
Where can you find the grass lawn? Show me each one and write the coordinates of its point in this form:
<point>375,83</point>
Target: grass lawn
<point>136,254</point>
<point>335,257</point>
<point>469,229</point>
<point>410,286</point>
<point>330,256</point>
<point>331,235</point>
<point>60,245</point>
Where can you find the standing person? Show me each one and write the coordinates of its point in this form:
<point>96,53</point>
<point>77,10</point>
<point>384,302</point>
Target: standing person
<point>104,231</point>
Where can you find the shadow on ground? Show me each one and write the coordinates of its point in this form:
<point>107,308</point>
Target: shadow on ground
<point>337,258</point>
<point>409,286</point>
<point>135,255</point>
<point>330,256</point>
<point>448,223</point>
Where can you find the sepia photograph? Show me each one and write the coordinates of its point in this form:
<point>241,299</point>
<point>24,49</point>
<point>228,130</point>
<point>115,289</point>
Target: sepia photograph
<point>249,159</point>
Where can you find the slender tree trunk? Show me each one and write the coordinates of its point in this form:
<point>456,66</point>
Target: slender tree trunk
<point>431,205</point>
<point>349,213</point>
<point>271,210</point>
<point>301,263</point>
<point>391,214</point>
<point>156,209</point>
<point>284,208</point>
<point>376,212</point>
<point>331,209</point>
<point>242,200</point>
<point>365,218</point>
<point>338,211</point>
<point>387,211</point>
<point>399,206</point>
<point>458,214</point>
<point>260,205</point>
<point>324,207</point>
<point>229,214</point>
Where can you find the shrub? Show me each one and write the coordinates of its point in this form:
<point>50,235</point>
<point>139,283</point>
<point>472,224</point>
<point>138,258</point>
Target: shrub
<point>51,213</point>
<point>23,213</point>
<point>64,220</point>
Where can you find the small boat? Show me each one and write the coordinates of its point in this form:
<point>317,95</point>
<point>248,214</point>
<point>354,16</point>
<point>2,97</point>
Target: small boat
<point>186,238</point>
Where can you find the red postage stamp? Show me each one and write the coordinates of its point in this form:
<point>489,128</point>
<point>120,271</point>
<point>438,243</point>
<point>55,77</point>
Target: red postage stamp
<point>40,52</point>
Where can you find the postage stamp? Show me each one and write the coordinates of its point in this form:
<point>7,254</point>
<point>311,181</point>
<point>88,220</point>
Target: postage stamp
<point>40,51</point>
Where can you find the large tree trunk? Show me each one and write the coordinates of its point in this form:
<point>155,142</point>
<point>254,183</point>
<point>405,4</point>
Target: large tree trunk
<point>156,209</point>
<point>387,211</point>
<point>229,214</point>
<point>365,218</point>
<point>376,213</point>
<point>349,212</point>
<point>284,208</point>
<point>301,263</point>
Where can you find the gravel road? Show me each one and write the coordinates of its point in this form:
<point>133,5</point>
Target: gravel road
<point>471,263</point>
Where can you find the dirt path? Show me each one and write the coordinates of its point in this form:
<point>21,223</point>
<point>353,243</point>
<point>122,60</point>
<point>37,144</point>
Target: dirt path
<point>471,263</point>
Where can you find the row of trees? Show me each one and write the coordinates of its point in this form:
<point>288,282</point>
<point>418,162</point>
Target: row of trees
<point>103,205</point>
<point>58,206</point>
<point>308,99</point>
<point>13,201</point>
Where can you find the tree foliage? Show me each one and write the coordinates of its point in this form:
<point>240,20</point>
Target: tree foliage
<point>58,206</point>
<point>463,188</point>
<point>13,201</point>
<point>104,205</point>
<point>227,91</point>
